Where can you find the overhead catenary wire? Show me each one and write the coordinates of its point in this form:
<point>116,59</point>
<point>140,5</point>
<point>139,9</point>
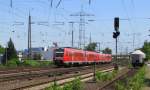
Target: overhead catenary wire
<point>127,14</point>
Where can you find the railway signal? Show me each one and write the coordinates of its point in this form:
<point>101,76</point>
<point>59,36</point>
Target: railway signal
<point>116,23</point>
<point>116,27</point>
<point>115,35</point>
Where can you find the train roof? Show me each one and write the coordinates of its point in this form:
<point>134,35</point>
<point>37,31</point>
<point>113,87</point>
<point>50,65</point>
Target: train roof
<point>67,47</point>
<point>81,49</point>
<point>138,52</point>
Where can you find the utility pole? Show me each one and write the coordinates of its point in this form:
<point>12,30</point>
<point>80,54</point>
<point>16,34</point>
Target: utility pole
<point>72,34</point>
<point>134,40</point>
<point>126,50</point>
<point>29,37</point>
<point>94,72</point>
<point>6,53</point>
<point>90,39</point>
<point>116,49</point>
<point>98,44</point>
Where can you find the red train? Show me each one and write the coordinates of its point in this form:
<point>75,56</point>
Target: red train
<point>71,56</point>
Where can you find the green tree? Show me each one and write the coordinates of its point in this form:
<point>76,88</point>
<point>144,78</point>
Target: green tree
<point>10,52</point>
<point>2,49</point>
<point>146,49</point>
<point>107,51</point>
<point>91,46</point>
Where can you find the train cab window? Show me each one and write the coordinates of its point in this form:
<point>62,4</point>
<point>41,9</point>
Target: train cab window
<point>59,52</point>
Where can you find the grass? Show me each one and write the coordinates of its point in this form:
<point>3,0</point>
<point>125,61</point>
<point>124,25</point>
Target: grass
<point>105,76</point>
<point>134,83</point>
<point>30,63</point>
<point>137,82</point>
<point>14,63</point>
<point>76,84</point>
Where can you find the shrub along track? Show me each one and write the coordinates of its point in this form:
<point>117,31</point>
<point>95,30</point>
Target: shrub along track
<point>122,77</point>
<point>34,77</point>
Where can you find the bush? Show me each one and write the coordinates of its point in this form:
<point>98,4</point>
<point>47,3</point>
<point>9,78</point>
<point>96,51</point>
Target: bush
<point>2,66</point>
<point>76,84</point>
<point>13,63</point>
<point>120,86</point>
<point>54,87</point>
<point>31,63</point>
<point>46,63</point>
<point>104,76</point>
<point>67,86</point>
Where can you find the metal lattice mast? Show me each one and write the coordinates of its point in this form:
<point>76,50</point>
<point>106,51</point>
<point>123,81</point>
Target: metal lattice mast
<point>82,23</point>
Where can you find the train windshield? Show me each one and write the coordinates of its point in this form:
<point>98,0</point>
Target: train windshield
<point>59,52</point>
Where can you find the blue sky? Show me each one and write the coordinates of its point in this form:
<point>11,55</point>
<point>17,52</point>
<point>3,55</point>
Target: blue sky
<point>134,16</point>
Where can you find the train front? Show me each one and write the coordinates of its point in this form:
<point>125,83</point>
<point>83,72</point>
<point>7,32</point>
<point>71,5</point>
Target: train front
<point>58,56</point>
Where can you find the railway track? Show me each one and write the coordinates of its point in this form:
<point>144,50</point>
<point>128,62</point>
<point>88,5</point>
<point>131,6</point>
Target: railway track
<point>26,79</point>
<point>28,74</point>
<point>84,76</point>
<point>23,69</point>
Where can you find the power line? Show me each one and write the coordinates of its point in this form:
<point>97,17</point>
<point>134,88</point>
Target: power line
<point>125,9</point>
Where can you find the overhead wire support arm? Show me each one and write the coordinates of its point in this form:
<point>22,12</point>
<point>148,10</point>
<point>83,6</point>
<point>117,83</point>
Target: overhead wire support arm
<point>11,3</point>
<point>58,3</point>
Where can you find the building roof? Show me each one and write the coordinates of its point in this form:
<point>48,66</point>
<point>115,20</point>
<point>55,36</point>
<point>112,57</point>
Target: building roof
<point>38,49</point>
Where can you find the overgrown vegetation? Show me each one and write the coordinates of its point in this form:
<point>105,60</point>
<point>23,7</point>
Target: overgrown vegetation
<point>55,86</point>
<point>2,50</point>
<point>105,76</point>
<point>76,84</point>
<point>46,63</point>
<point>34,63</point>
<point>146,49</point>
<point>13,63</point>
<point>134,83</point>
<point>26,63</point>
<point>30,63</point>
